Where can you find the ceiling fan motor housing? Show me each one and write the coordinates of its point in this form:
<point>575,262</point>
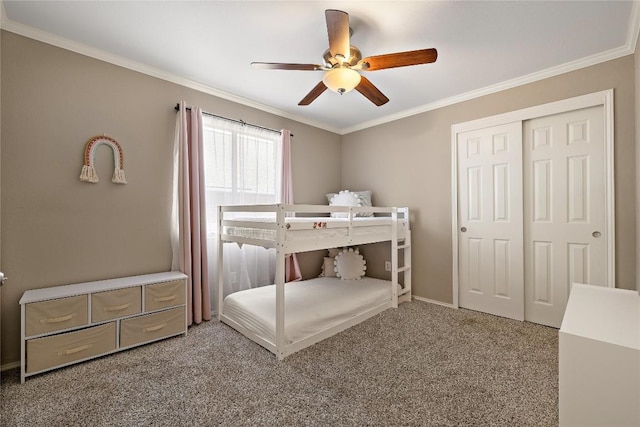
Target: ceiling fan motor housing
<point>354,56</point>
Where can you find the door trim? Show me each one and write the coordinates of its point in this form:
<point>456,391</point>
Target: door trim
<point>604,98</point>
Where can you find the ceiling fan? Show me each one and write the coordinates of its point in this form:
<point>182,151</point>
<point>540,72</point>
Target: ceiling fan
<point>342,61</point>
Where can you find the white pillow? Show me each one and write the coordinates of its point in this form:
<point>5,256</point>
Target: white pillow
<point>350,265</point>
<point>328,268</point>
<point>364,198</point>
<point>344,198</point>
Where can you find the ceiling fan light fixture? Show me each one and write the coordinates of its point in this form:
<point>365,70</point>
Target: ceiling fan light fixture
<point>341,79</point>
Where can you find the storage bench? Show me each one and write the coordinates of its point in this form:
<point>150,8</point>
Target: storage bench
<point>62,325</point>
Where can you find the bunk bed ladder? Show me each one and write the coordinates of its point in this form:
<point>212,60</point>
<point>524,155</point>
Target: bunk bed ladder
<point>405,247</point>
<point>401,245</point>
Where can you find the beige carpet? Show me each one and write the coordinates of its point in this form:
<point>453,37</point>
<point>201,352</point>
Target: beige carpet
<point>420,364</point>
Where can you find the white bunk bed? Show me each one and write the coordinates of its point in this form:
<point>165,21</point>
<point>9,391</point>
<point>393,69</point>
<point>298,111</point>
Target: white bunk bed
<point>300,228</point>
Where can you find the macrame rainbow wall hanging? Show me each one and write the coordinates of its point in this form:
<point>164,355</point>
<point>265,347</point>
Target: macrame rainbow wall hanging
<point>88,170</point>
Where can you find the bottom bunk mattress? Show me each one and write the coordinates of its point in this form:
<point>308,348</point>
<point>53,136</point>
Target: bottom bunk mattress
<point>311,306</point>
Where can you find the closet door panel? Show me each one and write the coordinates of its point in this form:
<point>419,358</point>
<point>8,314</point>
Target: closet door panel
<point>490,220</point>
<point>543,272</point>
<point>564,187</point>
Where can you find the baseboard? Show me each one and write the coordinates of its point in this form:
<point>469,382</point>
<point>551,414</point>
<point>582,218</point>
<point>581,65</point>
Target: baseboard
<point>11,365</point>
<point>432,301</point>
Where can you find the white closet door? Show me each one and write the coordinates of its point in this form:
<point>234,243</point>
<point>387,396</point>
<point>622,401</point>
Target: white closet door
<point>564,214</point>
<point>490,220</point>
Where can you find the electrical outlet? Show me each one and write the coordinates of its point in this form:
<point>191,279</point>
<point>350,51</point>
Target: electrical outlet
<point>387,266</point>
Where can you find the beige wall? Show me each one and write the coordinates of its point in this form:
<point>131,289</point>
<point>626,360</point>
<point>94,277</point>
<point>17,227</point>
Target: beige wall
<point>636,64</point>
<point>57,230</point>
<point>413,167</point>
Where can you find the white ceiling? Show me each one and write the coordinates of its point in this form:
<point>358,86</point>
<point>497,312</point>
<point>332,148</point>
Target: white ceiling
<point>483,46</point>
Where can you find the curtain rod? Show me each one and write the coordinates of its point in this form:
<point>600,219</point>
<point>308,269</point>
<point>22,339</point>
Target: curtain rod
<point>242,122</point>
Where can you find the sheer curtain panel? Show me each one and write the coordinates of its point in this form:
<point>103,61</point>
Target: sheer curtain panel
<point>243,166</point>
<point>189,226</point>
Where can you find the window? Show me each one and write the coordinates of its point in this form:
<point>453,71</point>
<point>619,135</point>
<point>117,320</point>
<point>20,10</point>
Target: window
<point>242,163</point>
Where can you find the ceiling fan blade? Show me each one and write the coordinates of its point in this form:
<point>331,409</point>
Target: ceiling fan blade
<point>400,59</point>
<point>371,92</point>
<point>338,31</point>
<point>315,92</point>
<point>279,66</point>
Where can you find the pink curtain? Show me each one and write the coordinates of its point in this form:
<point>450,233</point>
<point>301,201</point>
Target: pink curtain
<point>189,240</point>
<point>292,268</point>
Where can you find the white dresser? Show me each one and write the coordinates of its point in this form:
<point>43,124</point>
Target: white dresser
<point>599,352</point>
<point>68,324</point>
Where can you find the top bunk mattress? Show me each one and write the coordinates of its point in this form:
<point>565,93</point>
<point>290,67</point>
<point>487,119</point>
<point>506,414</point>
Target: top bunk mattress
<point>311,306</point>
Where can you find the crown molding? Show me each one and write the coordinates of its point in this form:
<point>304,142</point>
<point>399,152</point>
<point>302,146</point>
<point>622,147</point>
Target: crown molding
<point>64,43</point>
<point>634,26</point>
<point>42,36</point>
<point>509,84</point>
<point>629,48</point>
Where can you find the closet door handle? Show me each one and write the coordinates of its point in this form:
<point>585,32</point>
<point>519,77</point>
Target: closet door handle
<point>596,234</point>
<point>463,229</point>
